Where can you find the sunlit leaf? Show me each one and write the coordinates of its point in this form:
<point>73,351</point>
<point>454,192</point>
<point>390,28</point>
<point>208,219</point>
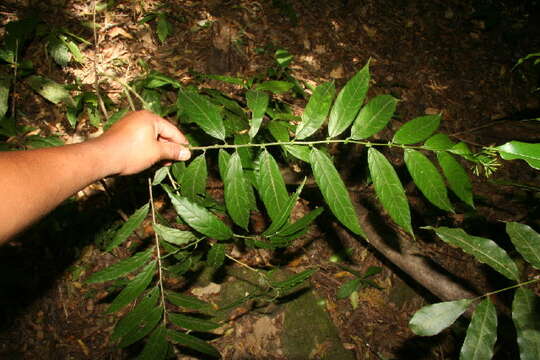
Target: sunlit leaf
<point>283,58</point>
<point>50,90</point>
<point>427,179</point>
<point>373,117</point>
<point>457,178</point>
<point>526,317</point>
<point>202,112</point>
<point>275,86</point>
<point>159,175</point>
<point>348,102</point>
<point>432,319</point>
<point>134,288</point>
<point>417,129</point>
<point>279,130</point>
<point>133,222</point>
<point>521,150</point>
<point>316,110</point>
<point>334,191</point>
<point>144,327</point>
<point>138,315</point>
<point>216,255</point>
<point>199,218</point>
<point>389,189</point>
<point>192,342</point>
<point>157,347</point>
<point>192,323</point>
<point>5,84</point>
<point>484,250</point>
<point>194,178</point>
<point>74,50</point>
<point>59,51</point>
<point>185,301</point>
<point>526,241</point>
<point>121,268</point>
<point>481,334</point>
<point>156,79</point>
<point>257,102</point>
<point>174,236</point>
<point>236,196</point>
<point>271,186</point>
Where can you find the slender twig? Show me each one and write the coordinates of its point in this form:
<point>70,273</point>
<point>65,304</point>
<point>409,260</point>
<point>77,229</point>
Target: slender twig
<point>15,67</point>
<point>507,288</point>
<point>126,86</point>
<point>158,252</point>
<point>96,75</point>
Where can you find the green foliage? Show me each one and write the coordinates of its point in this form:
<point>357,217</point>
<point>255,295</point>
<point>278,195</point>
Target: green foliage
<point>526,319</point>
<point>360,281</point>
<point>432,319</point>
<point>481,334</point>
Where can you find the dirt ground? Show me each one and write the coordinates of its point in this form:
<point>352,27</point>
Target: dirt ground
<point>454,57</point>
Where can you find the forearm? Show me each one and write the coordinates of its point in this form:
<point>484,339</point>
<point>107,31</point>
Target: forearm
<point>34,182</point>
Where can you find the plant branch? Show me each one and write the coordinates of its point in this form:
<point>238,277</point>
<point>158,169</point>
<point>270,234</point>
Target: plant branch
<point>96,75</point>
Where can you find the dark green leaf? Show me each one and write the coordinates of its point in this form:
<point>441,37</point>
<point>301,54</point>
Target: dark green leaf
<point>271,186</point>
<point>194,178</point>
<point>521,150</point>
<point>257,102</point>
<point>157,346</point>
<point>143,328</point>
<point>115,117</point>
<point>200,218</point>
<point>163,27</point>
<point>348,102</point>
<point>439,142</point>
<point>301,152</point>
<point>178,169</point>
<point>279,130</point>
<point>334,191</point>
<point>389,189</point>
<point>275,86</point>
<point>286,212</point>
<point>138,316</point>
<point>159,175</point>
<point>216,255</point>
<point>484,250</point>
<point>39,142</point>
<point>59,51</point>
<point>134,288</point>
<point>5,84</point>
<point>371,271</point>
<point>133,222</point>
<point>373,117</point>
<point>50,90</point>
<point>202,112</point>
<point>156,79</point>
<point>236,196</point>
<point>316,110</point>
<point>223,162</point>
<point>185,301</point>
<point>457,177</point>
<point>192,323</point>
<point>417,129</point>
<point>481,334</point>
<point>294,280</point>
<point>348,288</point>
<point>283,58</point>
<point>432,319</point>
<point>526,317</point>
<point>526,241</point>
<point>427,178</point>
<point>174,236</point>
<point>301,223</point>
<point>192,342</point>
<point>121,268</point>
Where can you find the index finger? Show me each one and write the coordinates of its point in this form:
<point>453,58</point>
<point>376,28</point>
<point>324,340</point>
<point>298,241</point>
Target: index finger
<point>169,132</point>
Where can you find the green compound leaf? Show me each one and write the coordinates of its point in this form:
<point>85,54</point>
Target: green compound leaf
<point>294,280</point>
<point>526,317</point>
<point>185,301</point>
<point>236,197</point>
<point>59,51</point>
<point>121,268</point>
<point>202,112</point>
<point>192,323</point>
<point>271,186</point>
<point>348,102</point>
<point>216,255</point>
<point>316,110</point>
<point>484,250</point>
<point>432,319</point>
<point>481,334</point>
<point>348,288</point>
<point>163,27</point>
<point>286,213</point>
<point>192,342</point>
<point>526,241</point>
<point>334,191</point>
<point>5,84</point>
<point>417,129</point>
<point>199,217</point>
<point>134,288</point>
<point>275,86</point>
<point>157,346</point>
<point>457,178</point>
<point>138,316</point>
<point>389,189</point>
<point>133,222</point>
<point>257,102</point>
<point>144,327</point>
<point>373,117</point>
<point>174,236</point>
<point>300,152</point>
<point>50,90</point>
<point>439,142</point>
<point>427,178</point>
<point>521,150</point>
<point>194,178</point>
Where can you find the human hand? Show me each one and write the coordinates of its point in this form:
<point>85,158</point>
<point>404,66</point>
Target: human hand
<point>139,140</point>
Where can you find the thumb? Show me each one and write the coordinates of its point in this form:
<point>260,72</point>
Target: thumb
<point>172,151</point>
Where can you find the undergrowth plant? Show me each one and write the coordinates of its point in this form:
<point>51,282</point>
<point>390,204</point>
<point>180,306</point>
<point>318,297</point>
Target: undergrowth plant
<point>244,139</point>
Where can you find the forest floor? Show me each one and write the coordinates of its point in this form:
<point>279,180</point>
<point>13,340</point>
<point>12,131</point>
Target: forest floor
<point>450,57</point>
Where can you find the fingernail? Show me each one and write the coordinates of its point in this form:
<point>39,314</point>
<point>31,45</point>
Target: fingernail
<point>184,154</point>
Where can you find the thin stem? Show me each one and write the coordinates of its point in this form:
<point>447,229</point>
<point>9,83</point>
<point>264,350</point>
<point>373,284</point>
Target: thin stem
<point>243,264</point>
<point>128,87</point>
<point>508,288</point>
<point>158,252</point>
<point>96,76</point>
<point>15,67</point>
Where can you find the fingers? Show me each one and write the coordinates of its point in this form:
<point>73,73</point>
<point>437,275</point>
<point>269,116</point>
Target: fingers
<point>169,132</point>
<point>172,151</point>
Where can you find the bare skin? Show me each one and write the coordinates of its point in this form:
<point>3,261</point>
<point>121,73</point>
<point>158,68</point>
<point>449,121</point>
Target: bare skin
<point>34,182</point>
